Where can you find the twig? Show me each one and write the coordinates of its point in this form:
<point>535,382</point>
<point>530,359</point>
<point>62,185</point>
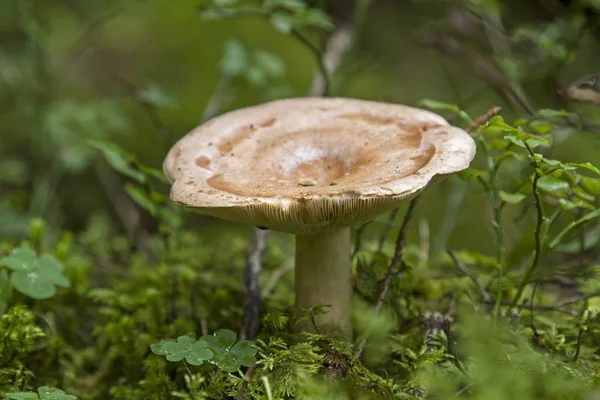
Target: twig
<point>386,229</point>
<point>489,73</point>
<point>482,119</point>
<point>337,46</point>
<point>242,393</point>
<point>314,323</point>
<point>397,259</point>
<point>215,101</point>
<point>81,44</point>
<point>318,54</point>
<point>252,283</point>
<point>134,91</point>
<point>395,263</point>
<point>277,274</point>
<point>484,294</point>
<point>560,307</point>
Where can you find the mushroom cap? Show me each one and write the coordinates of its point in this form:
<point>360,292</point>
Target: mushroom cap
<point>312,165</point>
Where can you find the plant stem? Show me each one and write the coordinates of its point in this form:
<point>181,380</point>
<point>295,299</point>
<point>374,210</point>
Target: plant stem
<point>324,276</point>
<point>318,56</point>
<point>489,187</point>
<point>539,205</point>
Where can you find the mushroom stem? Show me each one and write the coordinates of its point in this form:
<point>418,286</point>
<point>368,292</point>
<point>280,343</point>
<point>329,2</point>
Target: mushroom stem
<point>324,276</point>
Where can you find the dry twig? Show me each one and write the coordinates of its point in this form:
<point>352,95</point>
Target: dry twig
<point>392,269</point>
<point>252,270</point>
<point>482,119</point>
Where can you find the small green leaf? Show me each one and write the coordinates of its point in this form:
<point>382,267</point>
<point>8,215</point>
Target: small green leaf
<point>510,154</point>
<point>157,174</point>
<point>562,234</point>
<point>591,185</point>
<point>50,393</point>
<point>235,59</point>
<point>256,76</point>
<point>540,127</point>
<point>119,160</point>
<point>269,63</point>
<point>156,97</point>
<point>511,198</point>
<point>472,174</point>
<point>225,337</point>
<point>138,195</point>
<point>316,18</point>
<point>531,141</point>
<point>158,348</point>
<point>589,166</point>
<point>195,352</point>
<point>34,277</point>
<point>20,259</point>
<point>568,205</point>
<point>553,186</point>
<point>450,108</point>
<point>46,393</point>
<point>244,352</point>
<point>497,123</point>
<point>558,114</point>
<point>284,23</point>
<point>32,284</point>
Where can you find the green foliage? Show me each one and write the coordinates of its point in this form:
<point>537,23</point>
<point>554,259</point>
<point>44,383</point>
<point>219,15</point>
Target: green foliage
<point>45,393</point>
<point>285,15</point>
<point>509,311</point>
<point>219,349</point>
<point>33,276</point>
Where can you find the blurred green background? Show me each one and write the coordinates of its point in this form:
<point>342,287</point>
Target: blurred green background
<point>140,73</point>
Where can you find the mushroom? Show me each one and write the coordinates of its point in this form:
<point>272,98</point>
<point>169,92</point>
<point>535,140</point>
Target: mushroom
<point>315,167</point>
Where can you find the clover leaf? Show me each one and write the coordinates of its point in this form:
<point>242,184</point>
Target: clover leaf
<point>45,393</point>
<point>229,356</point>
<point>34,277</point>
<point>219,349</point>
<point>195,352</point>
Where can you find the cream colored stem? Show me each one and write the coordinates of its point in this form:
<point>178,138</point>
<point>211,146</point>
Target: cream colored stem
<point>324,276</point>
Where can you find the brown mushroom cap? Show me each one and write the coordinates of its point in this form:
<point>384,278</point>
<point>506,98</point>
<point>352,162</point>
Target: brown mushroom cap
<point>311,165</point>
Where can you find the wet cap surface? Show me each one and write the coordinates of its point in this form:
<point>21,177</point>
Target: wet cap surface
<point>310,165</point>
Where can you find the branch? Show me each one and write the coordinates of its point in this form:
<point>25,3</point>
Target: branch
<point>339,43</point>
<point>276,276</point>
<point>482,119</point>
<point>215,101</point>
<point>392,269</point>
<point>319,56</point>
<point>485,70</point>
<point>242,393</point>
<point>252,270</point>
